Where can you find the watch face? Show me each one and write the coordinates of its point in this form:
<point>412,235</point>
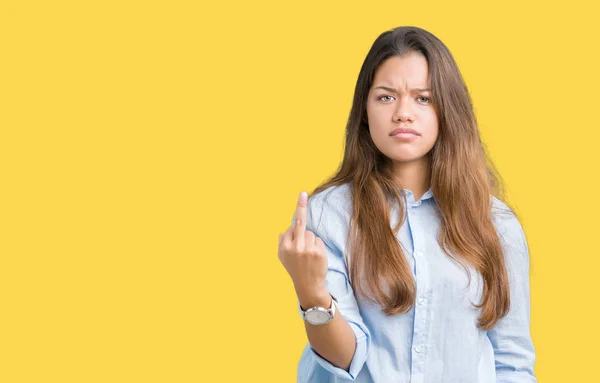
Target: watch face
<point>317,317</point>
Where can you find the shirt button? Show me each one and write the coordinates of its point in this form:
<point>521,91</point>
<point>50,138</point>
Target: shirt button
<point>420,348</point>
<point>418,254</point>
<point>421,300</point>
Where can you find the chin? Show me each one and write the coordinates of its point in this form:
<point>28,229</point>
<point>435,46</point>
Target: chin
<point>406,158</point>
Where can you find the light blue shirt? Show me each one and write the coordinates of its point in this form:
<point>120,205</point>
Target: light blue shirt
<point>438,339</point>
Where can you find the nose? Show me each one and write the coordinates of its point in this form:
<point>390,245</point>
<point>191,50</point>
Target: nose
<point>403,112</point>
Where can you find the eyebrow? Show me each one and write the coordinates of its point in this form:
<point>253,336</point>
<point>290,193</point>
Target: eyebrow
<point>395,91</point>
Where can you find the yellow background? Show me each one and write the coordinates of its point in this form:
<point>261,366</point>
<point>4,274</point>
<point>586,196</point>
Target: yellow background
<point>152,151</point>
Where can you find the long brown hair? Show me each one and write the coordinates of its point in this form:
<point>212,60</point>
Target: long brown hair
<point>463,180</point>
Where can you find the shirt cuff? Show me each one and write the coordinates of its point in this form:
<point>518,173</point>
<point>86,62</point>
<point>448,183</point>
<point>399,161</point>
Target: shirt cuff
<point>358,360</point>
<point>515,377</point>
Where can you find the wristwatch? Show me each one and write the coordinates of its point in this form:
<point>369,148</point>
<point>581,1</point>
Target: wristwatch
<point>319,315</point>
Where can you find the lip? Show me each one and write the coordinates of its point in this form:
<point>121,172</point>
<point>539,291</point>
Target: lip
<point>404,132</point>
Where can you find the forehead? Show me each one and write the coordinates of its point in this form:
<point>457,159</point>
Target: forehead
<point>411,69</point>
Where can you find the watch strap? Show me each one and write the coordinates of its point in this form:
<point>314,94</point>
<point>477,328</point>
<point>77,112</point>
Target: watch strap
<point>331,310</point>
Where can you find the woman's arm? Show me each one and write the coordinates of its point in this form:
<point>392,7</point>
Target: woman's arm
<point>334,341</point>
<point>317,268</point>
<point>513,347</point>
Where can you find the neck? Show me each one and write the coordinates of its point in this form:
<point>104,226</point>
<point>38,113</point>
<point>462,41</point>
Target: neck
<point>414,176</point>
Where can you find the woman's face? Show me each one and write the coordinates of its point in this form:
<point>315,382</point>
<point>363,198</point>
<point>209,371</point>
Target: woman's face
<point>398,99</point>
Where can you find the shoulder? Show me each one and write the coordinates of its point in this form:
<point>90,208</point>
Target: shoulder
<point>334,199</point>
<point>329,210</point>
<point>508,227</point>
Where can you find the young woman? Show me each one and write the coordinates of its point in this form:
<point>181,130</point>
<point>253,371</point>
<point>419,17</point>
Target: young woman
<point>407,264</point>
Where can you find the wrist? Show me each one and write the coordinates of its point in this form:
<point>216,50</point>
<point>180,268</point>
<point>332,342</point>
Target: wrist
<point>315,299</point>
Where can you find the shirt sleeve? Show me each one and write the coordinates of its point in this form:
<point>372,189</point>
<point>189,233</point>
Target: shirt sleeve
<point>511,340</point>
<point>331,229</point>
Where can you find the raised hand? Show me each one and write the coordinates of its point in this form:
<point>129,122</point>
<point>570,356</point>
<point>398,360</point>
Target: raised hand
<point>302,254</point>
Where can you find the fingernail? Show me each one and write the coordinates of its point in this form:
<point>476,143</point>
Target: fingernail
<point>303,195</point>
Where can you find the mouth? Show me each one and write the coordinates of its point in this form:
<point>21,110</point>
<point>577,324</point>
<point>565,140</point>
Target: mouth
<point>404,132</point>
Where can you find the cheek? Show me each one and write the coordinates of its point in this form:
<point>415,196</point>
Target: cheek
<point>434,131</point>
<point>376,123</point>
<point>432,136</point>
<point>432,126</point>
<point>370,116</point>
<point>430,132</point>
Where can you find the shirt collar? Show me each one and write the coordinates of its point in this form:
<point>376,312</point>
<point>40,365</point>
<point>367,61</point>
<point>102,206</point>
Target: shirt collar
<point>427,195</point>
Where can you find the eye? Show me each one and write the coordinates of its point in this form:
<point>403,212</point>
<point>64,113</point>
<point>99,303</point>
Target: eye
<point>380,97</point>
<point>427,99</point>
